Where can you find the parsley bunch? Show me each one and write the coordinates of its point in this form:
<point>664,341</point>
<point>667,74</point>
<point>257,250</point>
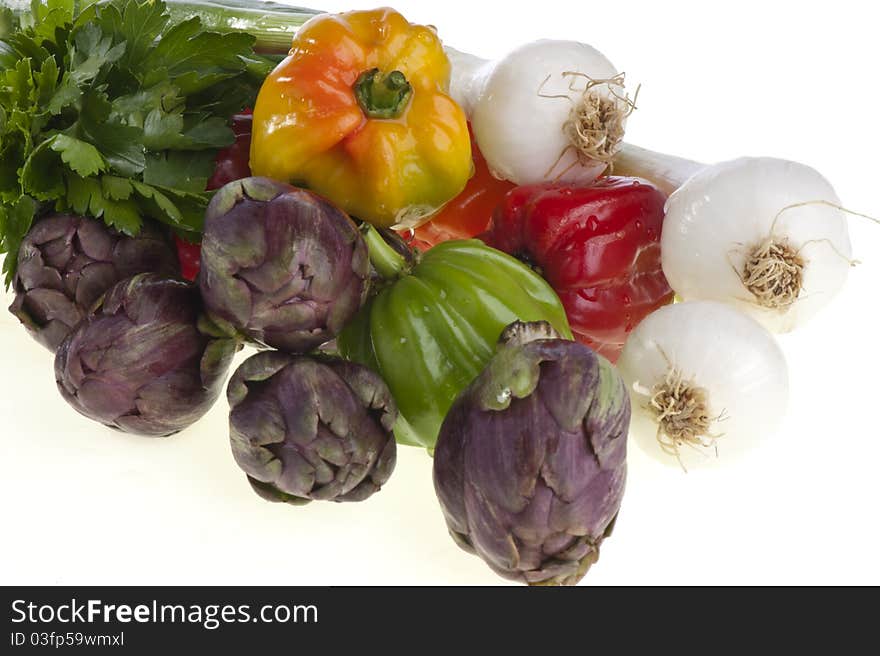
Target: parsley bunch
<point>113,110</point>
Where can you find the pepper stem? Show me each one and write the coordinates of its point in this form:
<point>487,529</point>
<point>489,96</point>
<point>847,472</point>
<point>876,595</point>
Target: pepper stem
<point>382,95</point>
<point>387,262</point>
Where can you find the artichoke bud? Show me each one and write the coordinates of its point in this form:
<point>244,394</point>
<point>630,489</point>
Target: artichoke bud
<point>281,265</point>
<point>66,263</point>
<point>530,463</point>
<point>315,427</point>
<point>140,363</point>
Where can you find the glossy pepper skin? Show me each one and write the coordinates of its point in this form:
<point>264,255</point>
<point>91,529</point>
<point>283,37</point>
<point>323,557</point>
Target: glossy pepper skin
<point>597,246</point>
<point>469,213</point>
<point>434,325</point>
<point>359,113</point>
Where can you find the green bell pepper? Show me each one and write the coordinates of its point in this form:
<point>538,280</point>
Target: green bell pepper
<point>435,323</point>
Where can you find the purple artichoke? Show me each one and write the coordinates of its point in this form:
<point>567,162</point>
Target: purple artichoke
<point>530,462</point>
<point>282,265</point>
<point>67,262</point>
<point>306,428</point>
<point>144,361</point>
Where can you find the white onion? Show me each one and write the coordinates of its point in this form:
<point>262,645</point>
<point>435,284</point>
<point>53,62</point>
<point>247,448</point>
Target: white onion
<point>710,353</point>
<point>765,235</point>
<point>521,110</point>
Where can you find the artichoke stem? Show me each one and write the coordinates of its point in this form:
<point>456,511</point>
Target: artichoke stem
<point>521,332</point>
<point>388,263</point>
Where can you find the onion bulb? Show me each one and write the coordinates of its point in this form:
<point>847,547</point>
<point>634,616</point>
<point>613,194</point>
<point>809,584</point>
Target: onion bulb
<point>548,111</point>
<point>765,235</point>
<point>706,383</point>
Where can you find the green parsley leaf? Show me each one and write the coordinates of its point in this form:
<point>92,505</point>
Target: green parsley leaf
<point>92,51</point>
<point>15,221</point>
<point>50,15</point>
<point>138,25</point>
<point>124,215</point>
<point>87,197</point>
<point>116,188</point>
<point>81,157</point>
<point>8,22</point>
<point>115,110</point>
<point>188,171</point>
<point>66,94</point>
<point>132,108</point>
<point>11,155</point>
<point>165,130</point>
<point>121,144</point>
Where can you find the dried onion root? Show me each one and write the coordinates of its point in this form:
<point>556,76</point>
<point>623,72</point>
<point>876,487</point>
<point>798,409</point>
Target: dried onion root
<point>705,380</point>
<point>766,235</point>
<point>547,111</point>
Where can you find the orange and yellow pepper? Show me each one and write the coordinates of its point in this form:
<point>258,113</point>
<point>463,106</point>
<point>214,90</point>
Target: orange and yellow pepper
<point>359,112</point>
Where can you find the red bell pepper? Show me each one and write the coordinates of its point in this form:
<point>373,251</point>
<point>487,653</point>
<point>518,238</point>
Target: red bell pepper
<point>597,246</point>
<point>231,163</point>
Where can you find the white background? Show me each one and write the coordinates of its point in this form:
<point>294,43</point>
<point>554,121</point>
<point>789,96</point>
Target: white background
<point>80,504</point>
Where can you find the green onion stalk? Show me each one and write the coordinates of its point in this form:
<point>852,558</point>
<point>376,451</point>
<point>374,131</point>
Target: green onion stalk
<point>271,23</point>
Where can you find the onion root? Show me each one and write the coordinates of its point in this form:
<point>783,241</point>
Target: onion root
<point>681,410</point>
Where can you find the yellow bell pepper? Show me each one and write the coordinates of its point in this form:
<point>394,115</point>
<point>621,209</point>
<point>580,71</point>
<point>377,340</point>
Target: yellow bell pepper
<point>359,113</point>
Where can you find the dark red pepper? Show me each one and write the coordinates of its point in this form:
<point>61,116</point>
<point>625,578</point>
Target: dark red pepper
<point>597,246</point>
<point>190,256</point>
<point>231,163</point>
